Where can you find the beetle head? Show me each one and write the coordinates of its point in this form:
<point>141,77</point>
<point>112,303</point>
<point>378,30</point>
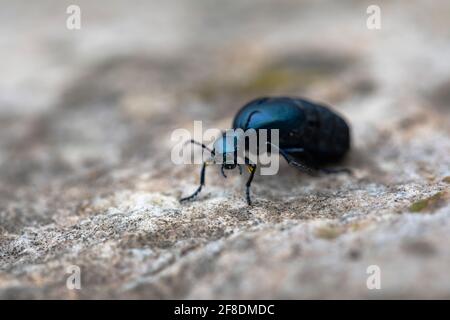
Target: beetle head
<point>226,150</point>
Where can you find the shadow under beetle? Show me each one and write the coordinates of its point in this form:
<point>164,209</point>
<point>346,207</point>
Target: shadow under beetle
<point>310,136</point>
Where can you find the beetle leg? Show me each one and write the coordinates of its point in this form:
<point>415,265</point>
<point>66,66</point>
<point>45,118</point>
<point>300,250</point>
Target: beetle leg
<point>223,172</point>
<point>252,169</point>
<point>294,150</point>
<point>202,183</point>
<point>322,170</point>
<point>292,162</point>
<point>336,170</point>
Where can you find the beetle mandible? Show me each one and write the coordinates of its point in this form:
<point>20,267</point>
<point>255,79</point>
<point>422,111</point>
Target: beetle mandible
<point>310,136</point>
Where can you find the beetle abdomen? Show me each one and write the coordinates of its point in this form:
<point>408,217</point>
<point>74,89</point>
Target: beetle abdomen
<point>323,134</point>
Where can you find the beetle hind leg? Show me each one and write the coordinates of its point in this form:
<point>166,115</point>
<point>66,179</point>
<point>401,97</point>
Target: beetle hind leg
<point>336,170</point>
<point>291,161</point>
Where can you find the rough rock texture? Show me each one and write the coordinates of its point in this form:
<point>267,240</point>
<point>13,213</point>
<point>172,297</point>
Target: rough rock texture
<point>86,177</point>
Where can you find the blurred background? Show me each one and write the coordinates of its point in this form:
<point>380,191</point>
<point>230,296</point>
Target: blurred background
<point>86,177</point>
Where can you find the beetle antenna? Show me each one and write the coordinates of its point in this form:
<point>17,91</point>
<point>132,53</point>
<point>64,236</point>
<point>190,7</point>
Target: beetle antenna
<point>192,141</point>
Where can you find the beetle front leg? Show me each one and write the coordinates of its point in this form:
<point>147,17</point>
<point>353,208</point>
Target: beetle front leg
<point>252,169</point>
<point>202,183</point>
<point>223,172</point>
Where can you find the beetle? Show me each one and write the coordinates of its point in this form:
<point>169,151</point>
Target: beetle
<point>310,137</point>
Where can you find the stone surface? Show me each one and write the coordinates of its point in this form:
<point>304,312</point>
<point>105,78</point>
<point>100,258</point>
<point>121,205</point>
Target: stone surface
<point>86,177</point>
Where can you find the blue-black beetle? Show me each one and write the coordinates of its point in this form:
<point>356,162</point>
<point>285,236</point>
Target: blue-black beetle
<point>310,136</point>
